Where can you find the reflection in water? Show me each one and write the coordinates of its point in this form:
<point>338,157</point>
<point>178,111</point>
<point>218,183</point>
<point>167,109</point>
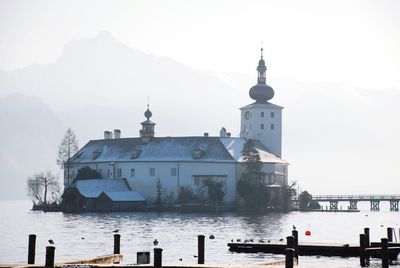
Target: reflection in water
<point>177,233</point>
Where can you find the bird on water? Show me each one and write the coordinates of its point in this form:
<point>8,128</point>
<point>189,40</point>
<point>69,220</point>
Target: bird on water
<point>116,231</point>
<point>51,241</point>
<point>155,242</point>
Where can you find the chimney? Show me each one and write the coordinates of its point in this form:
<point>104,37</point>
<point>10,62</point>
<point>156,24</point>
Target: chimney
<point>117,133</point>
<point>205,134</point>
<point>108,135</point>
<point>222,132</point>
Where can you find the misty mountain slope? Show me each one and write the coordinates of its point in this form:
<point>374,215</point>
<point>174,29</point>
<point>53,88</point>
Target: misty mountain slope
<point>30,134</point>
<point>103,71</point>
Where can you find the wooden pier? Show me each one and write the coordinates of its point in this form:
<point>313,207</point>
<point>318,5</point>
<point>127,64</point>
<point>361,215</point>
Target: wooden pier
<point>309,249</point>
<point>393,199</point>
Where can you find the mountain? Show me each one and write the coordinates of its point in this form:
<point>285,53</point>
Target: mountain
<point>337,138</point>
<point>30,133</point>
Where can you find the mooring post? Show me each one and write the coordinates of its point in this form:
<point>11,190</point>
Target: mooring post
<point>295,235</point>
<point>289,253</point>
<point>367,241</point>
<point>31,249</point>
<point>390,234</point>
<point>363,261</point>
<point>290,242</point>
<point>200,247</point>
<point>117,240</point>
<point>384,253</point>
<point>50,257</point>
<point>158,257</point>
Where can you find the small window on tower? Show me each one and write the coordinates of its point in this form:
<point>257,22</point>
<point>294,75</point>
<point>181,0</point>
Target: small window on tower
<point>119,173</point>
<point>262,126</point>
<point>272,126</point>
<point>262,114</point>
<point>152,171</point>
<point>133,172</point>
<point>247,115</point>
<point>272,114</point>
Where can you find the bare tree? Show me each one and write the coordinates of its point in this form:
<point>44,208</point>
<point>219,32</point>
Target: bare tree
<point>68,147</point>
<point>43,188</point>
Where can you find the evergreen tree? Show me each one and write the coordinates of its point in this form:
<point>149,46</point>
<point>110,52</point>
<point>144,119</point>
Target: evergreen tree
<point>86,173</point>
<point>158,202</point>
<point>251,186</point>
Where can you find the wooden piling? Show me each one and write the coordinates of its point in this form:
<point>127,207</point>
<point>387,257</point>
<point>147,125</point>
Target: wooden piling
<point>363,261</point>
<point>50,257</point>
<point>117,240</point>
<point>295,235</point>
<point>290,242</point>
<point>385,252</point>
<point>367,240</point>
<point>289,253</point>
<point>31,249</point>
<point>390,234</point>
<point>158,257</point>
<point>200,248</point>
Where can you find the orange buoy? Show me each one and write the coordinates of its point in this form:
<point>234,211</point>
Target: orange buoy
<point>308,233</point>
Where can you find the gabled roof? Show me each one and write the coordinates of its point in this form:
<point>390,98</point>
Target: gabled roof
<point>213,149</point>
<point>93,188</point>
<point>235,146</point>
<point>157,149</point>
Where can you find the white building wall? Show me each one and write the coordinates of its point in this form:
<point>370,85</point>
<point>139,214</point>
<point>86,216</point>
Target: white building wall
<point>267,129</point>
<point>145,183</point>
<point>188,170</point>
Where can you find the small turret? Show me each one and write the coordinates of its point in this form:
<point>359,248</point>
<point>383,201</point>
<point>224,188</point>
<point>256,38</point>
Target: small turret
<point>147,131</point>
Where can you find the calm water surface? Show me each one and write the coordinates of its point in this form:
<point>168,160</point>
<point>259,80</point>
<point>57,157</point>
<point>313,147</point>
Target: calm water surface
<point>177,233</point>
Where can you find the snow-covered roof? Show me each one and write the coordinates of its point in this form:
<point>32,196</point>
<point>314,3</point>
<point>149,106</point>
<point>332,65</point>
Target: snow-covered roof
<point>213,149</point>
<point>93,188</point>
<point>157,149</point>
<point>235,146</point>
<point>125,196</point>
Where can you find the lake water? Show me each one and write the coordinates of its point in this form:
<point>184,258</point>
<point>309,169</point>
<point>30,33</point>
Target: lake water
<point>177,233</point>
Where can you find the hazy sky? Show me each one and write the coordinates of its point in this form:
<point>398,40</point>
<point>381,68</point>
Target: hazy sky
<point>354,42</point>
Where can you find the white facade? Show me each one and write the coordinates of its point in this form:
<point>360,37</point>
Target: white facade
<point>142,177</point>
<point>263,122</point>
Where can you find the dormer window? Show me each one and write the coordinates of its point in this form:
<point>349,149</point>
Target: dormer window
<point>135,154</point>
<point>96,154</point>
<point>197,154</point>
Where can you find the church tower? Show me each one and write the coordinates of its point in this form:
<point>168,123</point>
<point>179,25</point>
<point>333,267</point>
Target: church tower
<point>262,120</point>
<point>147,131</point>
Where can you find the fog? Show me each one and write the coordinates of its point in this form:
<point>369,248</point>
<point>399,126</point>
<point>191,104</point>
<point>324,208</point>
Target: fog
<point>93,66</point>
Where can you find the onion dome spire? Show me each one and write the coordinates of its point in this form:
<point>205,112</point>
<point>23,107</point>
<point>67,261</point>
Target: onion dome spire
<point>147,130</point>
<point>261,92</point>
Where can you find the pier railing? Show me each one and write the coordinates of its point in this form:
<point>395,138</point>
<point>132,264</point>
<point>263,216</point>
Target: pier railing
<point>364,197</point>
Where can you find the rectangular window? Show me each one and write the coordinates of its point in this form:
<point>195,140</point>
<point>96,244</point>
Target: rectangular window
<point>108,173</point>
<point>262,114</point>
<point>152,171</point>
<point>173,172</point>
<point>119,173</point>
<point>272,114</point>
<point>272,126</point>
<point>132,172</point>
<point>100,172</point>
<point>262,126</point>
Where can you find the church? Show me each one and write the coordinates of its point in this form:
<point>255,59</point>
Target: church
<point>151,166</point>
